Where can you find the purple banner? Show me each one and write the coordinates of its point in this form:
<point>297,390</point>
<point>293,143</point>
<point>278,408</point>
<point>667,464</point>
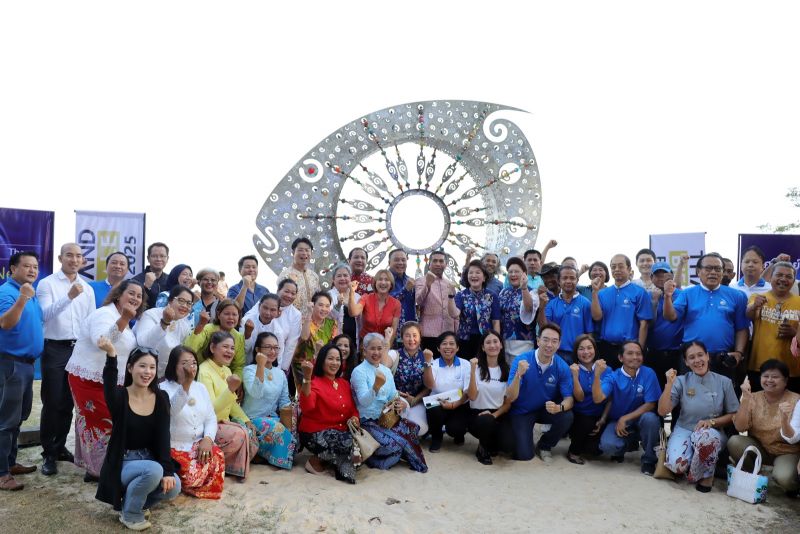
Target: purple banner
<point>26,230</point>
<point>772,245</point>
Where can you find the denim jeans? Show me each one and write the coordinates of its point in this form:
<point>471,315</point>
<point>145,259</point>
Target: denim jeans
<point>644,428</point>
<point>16,398</point>
<point>141,477</point>
<point>522,427</point>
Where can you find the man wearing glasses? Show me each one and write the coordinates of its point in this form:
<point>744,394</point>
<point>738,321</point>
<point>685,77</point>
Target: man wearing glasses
<point>775,315</point>
<point>154,278</point>
<point>712,313</point>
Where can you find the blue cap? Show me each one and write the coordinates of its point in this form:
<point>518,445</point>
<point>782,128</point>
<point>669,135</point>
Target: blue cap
<point>661,266</point>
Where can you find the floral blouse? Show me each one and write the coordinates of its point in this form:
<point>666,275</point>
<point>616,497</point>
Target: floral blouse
<point>515,322</point>
<point>478,310</point>
<point>408,376</point>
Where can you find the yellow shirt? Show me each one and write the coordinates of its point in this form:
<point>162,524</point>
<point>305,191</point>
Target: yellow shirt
<point>766,343</point>
<point>214,378</point>
<point>199,343</point>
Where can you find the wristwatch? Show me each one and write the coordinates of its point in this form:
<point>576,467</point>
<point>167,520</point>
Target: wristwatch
<point>713,423</point>
<point>561,405</point>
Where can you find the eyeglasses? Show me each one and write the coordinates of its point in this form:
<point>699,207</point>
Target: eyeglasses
<point>272,348</point>
<point>711,269</point>
<point>209,281</point>
<point>181,300</point>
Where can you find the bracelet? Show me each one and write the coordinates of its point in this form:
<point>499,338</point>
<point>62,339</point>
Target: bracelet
<point>164,323</point>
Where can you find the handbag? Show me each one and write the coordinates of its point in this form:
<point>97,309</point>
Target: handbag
<point>363,440</point>
<point>662,471</point>
<point>748,487</point>
<point>389,416</point>
<point>287,416</point>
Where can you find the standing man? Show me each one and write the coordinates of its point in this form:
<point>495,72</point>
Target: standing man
<point>306,279</point>
<point>433,294</point>
<point>153,278</point>
<point>21,341</point>
<point>634,392</point>
<point>569,310</point>
<point>116,271</point>
<point>775,315</point>
<point>728,271</point>
<point>713,313</point>
<point>623,308</point>
<point>358,262</point>
<point>247,292</point>
<point>66,301</point>
<point>665,337</point>
<point>403,287</point>
<point>540,391</point>
<point>752,281</point>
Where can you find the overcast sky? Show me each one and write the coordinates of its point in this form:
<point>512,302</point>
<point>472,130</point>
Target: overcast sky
<point>644,118</point>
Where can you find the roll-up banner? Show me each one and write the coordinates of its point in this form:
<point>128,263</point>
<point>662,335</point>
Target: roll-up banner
<point>100,233</point>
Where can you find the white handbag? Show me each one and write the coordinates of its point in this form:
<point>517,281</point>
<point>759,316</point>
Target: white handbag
<point>748,487</point>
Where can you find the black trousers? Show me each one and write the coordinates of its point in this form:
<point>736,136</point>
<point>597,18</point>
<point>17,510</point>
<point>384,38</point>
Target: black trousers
<point>609,352</point>
<point>581,442</point>
<point>662,361</point>
<point>57,405</point>
<point>494,434</point>
<point>468,348</point>
<point>430,344</point>
<point>454,421</point>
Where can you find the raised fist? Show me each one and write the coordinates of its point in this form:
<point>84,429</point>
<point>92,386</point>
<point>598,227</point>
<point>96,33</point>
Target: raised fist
<point>669,288</point>
<point>428,355</point>
<point>429,278</point>
<point>249,326</point>
<point>522,368</point>
<point>380,379</point>
<point>307,367</point>
<point>759,300</point>
<point>128,311</point>
<point>261,359</point>
<point>410,285</point>
<point>552,243</point>
<point>597,283</point>
<point>354,285</point>
<point>473,363</point>
<point>671,374</point>
<point>106,346</point>
<point>26,290</point>
<point>600,366</point>
<point>575,368</point>
<point>786,409</point>
<point>204,319</point>
<point>746,390</point>
<point>169,314</point>
<point>233,383</point>
<point>149,279</point>
<point>74,291</point>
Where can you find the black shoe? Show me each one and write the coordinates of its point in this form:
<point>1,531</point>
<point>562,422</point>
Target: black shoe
<point>483,456</point>
<point>65,456</point>
<point>90,478</point>
<point>618,459</point>
<point>436,444</point>
<point>49,466</point>
<point>458,440</point>
<point>648,469</point>
<point>702,489</point>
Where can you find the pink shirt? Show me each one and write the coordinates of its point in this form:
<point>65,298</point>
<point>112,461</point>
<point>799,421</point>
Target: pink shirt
<point>432,303</point>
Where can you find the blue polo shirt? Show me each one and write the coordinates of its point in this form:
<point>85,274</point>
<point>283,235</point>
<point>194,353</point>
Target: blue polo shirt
<point>587,406</point>
<point>629,393</point>
<point>101,289</point>
<point>664,334</point>
<point>713,317</point>
<point>623,308</point>
<point>251,298</point>
<point>537,387</point>
<point>26,338</point>
<point>574,318</point>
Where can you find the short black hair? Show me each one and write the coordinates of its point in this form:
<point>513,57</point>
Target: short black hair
<point>157,244</point>
<point>316,296</point>
<point>393,251</point>
<point>319,363</point>
<point>477,264</point>
<point>532,251</point>
<point>444,335</point>
<point>515,260</point>
<point>171,371</point>
<point>628,342</point>
<point>257,344</point>
<point>216,338</point>
<point>285,281</point>
<point>551,326</point>
<point>602,266</point>
<point>17,256</point>
<point>627,259</point>
<point>439,252</point>
<point>709,255</point>
<point>127,261</point>
<point>777,365</point>
<point>567,268</point>
<point>269,296</point>
<point>350,254</point>
<point>299,240</point>
<point>176,290</point>
<point>689,344</point>
<point>245,258</point>
<point>758,251</point>
<point>647,251</point>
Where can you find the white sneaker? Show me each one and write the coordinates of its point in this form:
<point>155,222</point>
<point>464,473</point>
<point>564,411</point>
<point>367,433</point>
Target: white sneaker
<point>546,456</point>
<point>141,525</point>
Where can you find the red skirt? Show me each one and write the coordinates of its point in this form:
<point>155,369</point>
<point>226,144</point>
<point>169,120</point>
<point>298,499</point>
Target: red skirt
<point>204,481</point>
<point>92,424</point>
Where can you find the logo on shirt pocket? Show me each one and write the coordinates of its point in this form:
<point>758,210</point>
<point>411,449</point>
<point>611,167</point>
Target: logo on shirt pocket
<point>640,390</point>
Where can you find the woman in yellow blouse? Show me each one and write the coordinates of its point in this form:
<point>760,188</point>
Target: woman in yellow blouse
<point>227,320</point>
<point>236,435</point>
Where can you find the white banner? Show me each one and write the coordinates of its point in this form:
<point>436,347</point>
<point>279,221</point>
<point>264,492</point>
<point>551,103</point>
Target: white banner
<point>100,233</point>
<point>670,248</point>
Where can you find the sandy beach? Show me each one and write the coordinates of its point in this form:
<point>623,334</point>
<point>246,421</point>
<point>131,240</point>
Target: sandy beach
<point>456,494</point>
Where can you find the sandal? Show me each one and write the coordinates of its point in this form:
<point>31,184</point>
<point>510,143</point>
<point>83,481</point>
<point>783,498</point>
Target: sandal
<point>573,459</point>
<point>310,469</point>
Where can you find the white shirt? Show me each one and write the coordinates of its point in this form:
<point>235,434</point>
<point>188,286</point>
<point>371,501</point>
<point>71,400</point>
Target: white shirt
<point>63,317</point>
<point>189,421</point>
<point>274,327</point>
<point>149,334</point>
<point>290,321</point>
<point>491,394</point>
<point>450,377</point>
<point>795,424</point>
<point>87,360</point>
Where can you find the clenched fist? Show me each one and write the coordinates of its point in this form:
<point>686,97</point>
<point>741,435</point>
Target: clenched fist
<point>74,291</point>
<point>26,290</point>
<point>233,383</point>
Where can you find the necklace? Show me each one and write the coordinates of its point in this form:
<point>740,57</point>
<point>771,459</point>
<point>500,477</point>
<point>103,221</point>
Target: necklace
<point>269,376</point>
<point>191,401</point>
<point>335,384</point>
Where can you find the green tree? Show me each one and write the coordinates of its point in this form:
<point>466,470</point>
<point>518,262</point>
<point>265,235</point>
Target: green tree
<point>794,197</point>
